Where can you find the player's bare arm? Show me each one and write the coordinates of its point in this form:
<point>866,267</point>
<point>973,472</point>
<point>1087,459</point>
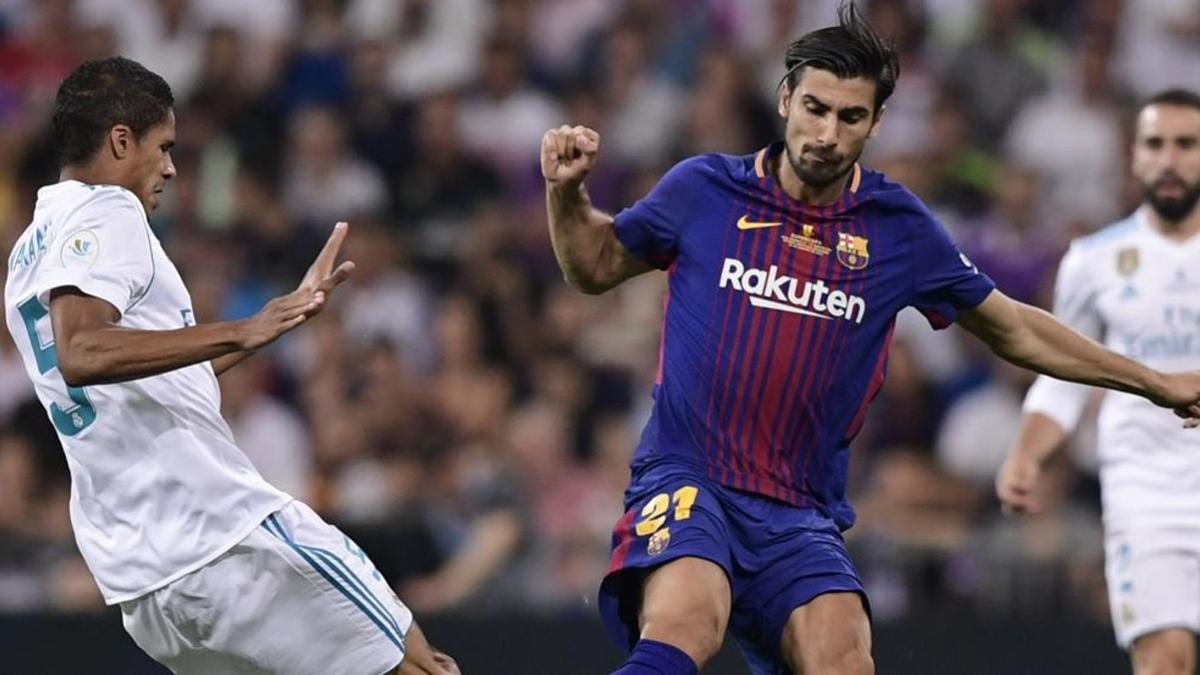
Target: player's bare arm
<point>94,349</point>
<point>1037,439</point>
<point>592,259</point>
<point>1032,338</point>
<point>321,277</point>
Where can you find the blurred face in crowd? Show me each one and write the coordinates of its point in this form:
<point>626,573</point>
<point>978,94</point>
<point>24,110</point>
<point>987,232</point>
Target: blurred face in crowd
<point>829,120</point>
<point>1166,159</point>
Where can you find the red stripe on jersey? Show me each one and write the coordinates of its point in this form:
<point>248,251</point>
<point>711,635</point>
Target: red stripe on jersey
<point>815,380</point>
<point>662,335</point>
<point>715,399</point>
<point>786,417</point>
<point>716,470</point>
<point>832,366</point>
<point>730,459</point>
<point>804,434</point>
<point>744,429</point>
<point>876,384</point>
<point>623,534</point>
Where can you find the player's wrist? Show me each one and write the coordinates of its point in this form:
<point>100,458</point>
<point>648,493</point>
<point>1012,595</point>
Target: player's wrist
<point>1028,454</point>
<point>567,187</point>
<point>241,335</point>
<point>1155,385</point>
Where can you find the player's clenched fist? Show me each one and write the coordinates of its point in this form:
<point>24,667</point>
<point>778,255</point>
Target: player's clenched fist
<point>569,153</point>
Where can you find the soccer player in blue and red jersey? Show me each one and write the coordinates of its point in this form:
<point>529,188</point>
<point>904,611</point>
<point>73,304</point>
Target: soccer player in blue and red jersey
<point>786,270</point>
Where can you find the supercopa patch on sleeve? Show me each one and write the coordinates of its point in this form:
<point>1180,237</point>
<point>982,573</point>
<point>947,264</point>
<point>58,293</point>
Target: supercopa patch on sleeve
<point>80,249</point>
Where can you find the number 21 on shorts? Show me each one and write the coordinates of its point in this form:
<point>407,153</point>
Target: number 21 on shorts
<point>654,513</point>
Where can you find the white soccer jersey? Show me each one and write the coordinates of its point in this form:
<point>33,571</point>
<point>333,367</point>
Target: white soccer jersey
<point>1139,293</point>
<point>158,487</point>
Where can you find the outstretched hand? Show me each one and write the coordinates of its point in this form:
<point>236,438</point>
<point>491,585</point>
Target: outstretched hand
<point>322,277</point>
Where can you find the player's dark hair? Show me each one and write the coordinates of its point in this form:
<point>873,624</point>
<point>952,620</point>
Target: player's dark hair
<point>101,94</point>
<point>850,49</point>
<point>1181,97</point>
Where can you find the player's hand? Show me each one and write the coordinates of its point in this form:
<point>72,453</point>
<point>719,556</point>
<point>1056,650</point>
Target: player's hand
<point>1016,484</point>
<point>1181,392</point>
<point>322,276</point>
<point>278,317</point>
<point>568,154</point>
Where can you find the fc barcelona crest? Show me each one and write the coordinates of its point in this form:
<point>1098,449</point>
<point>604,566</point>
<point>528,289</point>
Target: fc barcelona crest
<point>852,251</point>
<point>659,542</point>
<point>1127,261</point>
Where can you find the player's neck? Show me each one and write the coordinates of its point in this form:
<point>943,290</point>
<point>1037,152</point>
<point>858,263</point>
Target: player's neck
<point>1181,230</point>
<point>89,174</point>
<point>802,192</point>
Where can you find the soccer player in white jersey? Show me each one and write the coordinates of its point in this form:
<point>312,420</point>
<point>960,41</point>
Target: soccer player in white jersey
<point>1136,286</point>
<point>215,570</point>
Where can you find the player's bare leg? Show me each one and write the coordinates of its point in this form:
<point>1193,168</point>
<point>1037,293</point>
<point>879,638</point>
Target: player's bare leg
<point>420,658</point>
<point>686,604</point>
<point>1165,652</point>
<point>829,636</point>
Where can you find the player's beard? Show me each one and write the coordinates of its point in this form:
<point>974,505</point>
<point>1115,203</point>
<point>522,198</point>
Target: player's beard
<point>820,174</point>
<point>1172,209</point>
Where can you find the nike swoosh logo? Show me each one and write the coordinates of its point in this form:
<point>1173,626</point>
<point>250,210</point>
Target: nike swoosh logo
<point>745,223</point>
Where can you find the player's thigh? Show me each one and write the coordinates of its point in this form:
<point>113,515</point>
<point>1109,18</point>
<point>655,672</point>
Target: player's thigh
<point>295,596</point>
<point>830,635</point>
<point>1171,651</point>
<point>1153,583</point>
<point>686,603</point>
<point>791,560</point>
<point>669,575</point>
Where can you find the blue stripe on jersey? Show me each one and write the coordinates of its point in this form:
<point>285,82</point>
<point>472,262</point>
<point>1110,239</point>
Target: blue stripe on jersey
<point>273,526</point>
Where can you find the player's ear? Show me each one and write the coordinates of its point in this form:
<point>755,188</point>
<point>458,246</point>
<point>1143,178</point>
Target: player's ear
<point>120,140</point>
<point>785,98</point>
<point>878,119</point>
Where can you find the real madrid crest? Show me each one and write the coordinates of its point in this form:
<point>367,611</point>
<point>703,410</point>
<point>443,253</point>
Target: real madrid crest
<point>852,251</point>
<point>659,541</point>
<point>1127,261</point>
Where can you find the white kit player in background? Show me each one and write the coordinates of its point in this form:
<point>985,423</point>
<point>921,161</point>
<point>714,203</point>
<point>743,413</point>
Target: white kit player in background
<point>1136,287</point>
<point>215,570</point>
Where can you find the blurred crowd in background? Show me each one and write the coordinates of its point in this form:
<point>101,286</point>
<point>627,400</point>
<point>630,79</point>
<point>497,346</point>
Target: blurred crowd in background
<point>458,410</point>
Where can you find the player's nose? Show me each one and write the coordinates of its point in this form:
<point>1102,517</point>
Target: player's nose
<point>828,133</point>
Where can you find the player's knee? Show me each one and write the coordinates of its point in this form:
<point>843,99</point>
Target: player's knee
<point>852,659</point>
<point>699,637</point>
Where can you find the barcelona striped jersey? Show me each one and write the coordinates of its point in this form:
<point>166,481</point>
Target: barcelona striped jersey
<point>778,318</point>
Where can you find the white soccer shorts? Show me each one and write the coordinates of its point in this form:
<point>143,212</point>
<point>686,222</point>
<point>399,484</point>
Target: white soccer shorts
<point>1153,581</point>
<point>296,596</point>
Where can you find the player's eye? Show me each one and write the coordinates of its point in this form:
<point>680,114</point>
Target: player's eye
<point>1154,143</point>
<point>1187,143</point>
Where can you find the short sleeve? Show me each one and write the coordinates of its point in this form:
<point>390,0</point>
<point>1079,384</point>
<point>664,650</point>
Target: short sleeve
<point>945,281</point>
<point>650,228</point>
<point>1074,305</point>
<point>103,249</point>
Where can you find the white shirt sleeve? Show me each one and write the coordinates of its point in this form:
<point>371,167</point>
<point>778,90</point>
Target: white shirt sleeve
<point>103,248</point>
<point>1074,305</point>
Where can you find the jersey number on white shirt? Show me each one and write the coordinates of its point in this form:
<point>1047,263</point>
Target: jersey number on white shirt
<point>73,420</point>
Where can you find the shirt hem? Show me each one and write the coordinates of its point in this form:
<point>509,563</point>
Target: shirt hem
<point>216,553</point>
